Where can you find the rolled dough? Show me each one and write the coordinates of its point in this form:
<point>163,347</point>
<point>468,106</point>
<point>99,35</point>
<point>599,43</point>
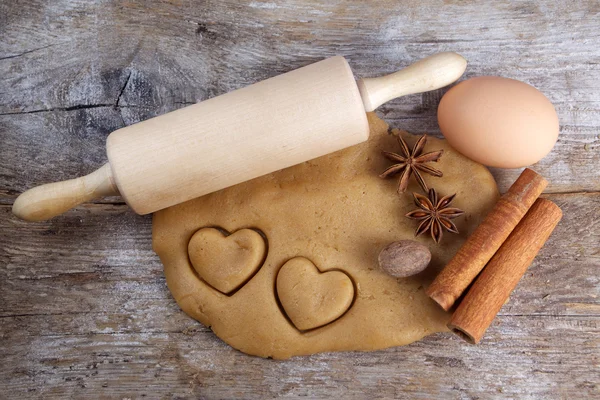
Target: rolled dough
<point>337,214</point>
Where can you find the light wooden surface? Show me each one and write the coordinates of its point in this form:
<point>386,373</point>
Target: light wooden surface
<point>85,312</point>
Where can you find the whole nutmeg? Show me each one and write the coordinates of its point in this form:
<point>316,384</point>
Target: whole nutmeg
<point>404,258</point>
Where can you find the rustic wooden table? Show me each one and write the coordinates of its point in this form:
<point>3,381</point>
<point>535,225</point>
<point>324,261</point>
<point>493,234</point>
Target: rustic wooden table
<point>84,309</point>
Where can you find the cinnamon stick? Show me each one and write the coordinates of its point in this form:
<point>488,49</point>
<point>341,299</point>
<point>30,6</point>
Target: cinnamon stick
<point>492,288</point>
<point>479,248</point>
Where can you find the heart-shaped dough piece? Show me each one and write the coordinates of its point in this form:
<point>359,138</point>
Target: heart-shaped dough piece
<point>226,261</point>
<point>312,298</point>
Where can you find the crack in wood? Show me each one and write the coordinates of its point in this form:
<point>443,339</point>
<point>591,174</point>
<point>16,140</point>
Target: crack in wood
<point>7,197</point>
<point>78,107</point>
<point>121,92</point>
<point>123,333</point>
<point>50,314</point>
<point>26,52</point>
<point>70,108</point>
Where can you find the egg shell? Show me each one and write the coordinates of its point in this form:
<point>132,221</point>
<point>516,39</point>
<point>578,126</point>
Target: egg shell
<point>498,122</point>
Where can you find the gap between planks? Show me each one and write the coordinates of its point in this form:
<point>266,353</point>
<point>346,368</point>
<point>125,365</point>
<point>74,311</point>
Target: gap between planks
<point>7,200</point>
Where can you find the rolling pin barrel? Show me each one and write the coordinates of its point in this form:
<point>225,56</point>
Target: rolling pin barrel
<point>229,139</point>
<point>241,135</point>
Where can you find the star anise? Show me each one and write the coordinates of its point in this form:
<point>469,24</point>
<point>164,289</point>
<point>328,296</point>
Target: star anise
<point>434,215</point>
<point>411,162</point>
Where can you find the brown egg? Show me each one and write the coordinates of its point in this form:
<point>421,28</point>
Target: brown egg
<point>498,122</point>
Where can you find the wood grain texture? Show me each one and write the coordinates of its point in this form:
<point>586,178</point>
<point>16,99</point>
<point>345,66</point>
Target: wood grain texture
<point>83,69</point>
<point>84,310</point>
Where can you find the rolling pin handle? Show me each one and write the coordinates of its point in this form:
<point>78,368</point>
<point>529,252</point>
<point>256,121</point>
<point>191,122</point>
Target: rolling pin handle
<point>52,199</point>
<point>430,73</point>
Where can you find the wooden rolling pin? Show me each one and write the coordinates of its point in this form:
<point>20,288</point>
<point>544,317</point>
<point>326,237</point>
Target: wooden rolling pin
<point>265,127</point>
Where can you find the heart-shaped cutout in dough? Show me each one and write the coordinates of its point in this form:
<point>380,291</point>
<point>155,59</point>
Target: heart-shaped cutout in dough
<point>224,261</point>
<point>312,298</point>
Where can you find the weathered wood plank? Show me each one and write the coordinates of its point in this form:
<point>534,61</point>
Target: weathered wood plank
<point>528,359</point>
<point>100,66</point>
<point>84,309</point>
